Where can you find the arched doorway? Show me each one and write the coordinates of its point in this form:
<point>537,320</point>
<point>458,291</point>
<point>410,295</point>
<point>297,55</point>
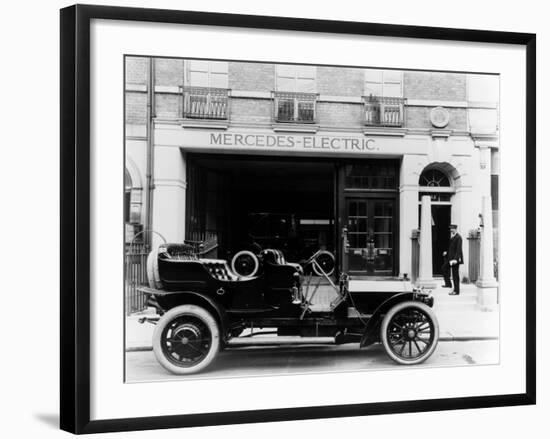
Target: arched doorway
<point>436,183</point>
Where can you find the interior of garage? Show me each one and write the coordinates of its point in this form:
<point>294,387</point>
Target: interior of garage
<point>240,202</point>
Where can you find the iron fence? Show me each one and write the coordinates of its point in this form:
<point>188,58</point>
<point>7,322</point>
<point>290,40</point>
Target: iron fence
<point>384,111</point>
<point>415,254</point>
<point>205,103</point>
<point>135,274</point>
<point>289,107</point>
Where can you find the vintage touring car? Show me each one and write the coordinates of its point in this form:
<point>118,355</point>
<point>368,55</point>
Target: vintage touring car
<point>203,307</point>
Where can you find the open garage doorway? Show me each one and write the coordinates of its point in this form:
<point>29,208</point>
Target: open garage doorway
<point>252,203</point>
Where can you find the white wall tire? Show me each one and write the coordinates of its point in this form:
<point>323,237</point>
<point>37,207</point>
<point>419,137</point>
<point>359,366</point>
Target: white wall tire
<point>409,332</point>
<point>186,339</point>
<point>245,264</point>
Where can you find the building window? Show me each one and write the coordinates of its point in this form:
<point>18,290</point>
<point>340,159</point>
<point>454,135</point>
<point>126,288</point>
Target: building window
<point>434,178</point>
<point>294,107</point>
<point>296,79</point>
<point>437,185</point>
<point>379,175</point>
<point>384,98</point>
<point>208,74</point>
<point>205,93</point>
<point>295,97</point>
<point>127,195</point>
<point>384,83</point>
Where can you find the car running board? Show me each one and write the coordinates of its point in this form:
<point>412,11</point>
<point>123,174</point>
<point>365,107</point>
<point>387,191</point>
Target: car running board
<point>279,340</point>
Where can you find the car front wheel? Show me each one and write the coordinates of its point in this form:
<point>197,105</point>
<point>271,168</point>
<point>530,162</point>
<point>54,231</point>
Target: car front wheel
<point>409,332</point>
<point>186,339</point>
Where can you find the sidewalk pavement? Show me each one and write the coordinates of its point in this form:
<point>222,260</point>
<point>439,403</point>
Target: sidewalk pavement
<point>459,317</point>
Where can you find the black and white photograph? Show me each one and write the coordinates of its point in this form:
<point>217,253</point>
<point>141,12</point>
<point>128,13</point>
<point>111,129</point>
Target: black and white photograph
<point>284,218</point>
<point>274,219</point>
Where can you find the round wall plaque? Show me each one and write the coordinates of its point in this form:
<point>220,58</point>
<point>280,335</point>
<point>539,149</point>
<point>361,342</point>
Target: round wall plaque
<point>439,117</point>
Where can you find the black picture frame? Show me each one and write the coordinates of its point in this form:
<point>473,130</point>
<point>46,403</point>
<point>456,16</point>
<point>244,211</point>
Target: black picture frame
<point>75,217</point>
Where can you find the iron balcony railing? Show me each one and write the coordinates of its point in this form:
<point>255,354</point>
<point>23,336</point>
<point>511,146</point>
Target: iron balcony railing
<point>291,107</point>
<point>205,103</point>
<point>384,111</point>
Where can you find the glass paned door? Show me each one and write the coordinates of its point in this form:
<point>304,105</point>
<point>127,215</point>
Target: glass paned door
<point>370,228</point>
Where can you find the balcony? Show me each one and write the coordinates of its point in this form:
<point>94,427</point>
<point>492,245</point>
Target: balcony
<point>384,111</point>
<point>298,108</point>
<point>205,103</point>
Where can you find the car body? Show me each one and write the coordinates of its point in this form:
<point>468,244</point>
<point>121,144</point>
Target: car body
<point>204,307</point>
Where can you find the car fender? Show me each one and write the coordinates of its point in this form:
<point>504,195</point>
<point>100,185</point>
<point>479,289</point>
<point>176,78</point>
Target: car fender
<point>172,299</point>
<point>370,335</point>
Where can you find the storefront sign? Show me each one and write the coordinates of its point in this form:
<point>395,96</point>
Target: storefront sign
<point>343,143</point>
<point>256,142</point>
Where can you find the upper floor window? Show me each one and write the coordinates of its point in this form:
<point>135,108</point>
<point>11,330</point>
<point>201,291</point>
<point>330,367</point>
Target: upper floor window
<point>297,79</point>
<point>384,98</point>
<point>295,98</point>
<point>205,94</point>
<point>386,83</point>
<point>213,74</point>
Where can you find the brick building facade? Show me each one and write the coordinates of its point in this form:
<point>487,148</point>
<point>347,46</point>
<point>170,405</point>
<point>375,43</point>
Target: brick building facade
<point>329,150</point>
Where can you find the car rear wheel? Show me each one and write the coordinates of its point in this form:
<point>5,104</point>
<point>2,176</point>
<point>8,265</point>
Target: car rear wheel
<point>186,339</point>
<point>409,332</point>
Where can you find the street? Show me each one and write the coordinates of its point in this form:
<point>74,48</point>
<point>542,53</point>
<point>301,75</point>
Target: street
<point>235,362</point>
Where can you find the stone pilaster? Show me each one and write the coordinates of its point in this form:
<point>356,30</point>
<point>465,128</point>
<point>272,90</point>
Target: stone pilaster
<point>169,194</point>
<point>486,283</point>
<point>425,269</point>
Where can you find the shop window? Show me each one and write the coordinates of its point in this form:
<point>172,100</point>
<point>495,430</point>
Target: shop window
<point>383,98</point>
<point>372,176</point>
<point>204,204</point>
<point>206,94</point>
<point>295,97</point>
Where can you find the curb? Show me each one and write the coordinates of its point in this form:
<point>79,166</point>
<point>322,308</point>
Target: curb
<point>441,339</point>
<point>139,349</point>
<point>469,338</point>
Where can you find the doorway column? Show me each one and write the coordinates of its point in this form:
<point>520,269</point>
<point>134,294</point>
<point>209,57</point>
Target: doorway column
<point>425,269</point>
<point>169,194</point>
<point>408,221</point>
<point>486,283</point>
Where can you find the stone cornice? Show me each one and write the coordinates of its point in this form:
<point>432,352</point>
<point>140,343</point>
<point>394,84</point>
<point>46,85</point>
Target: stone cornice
<point>295,128</point>
<point>208,124</point>
<point>398,132</point>
<point>391,132</point>
<point>485,140</point>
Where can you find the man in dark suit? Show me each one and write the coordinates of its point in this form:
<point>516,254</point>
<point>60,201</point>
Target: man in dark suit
<point>453,259</point>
